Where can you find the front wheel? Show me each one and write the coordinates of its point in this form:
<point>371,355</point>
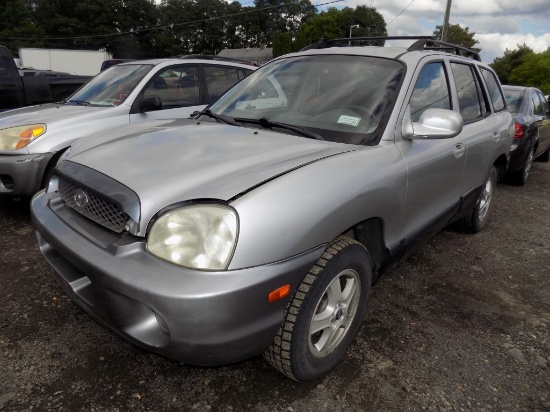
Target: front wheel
<point>544,156</point>
<point>476,220</point>
<point>325,313</point>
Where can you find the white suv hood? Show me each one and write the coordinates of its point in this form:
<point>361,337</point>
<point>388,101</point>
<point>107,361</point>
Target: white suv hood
<point>204,161</point>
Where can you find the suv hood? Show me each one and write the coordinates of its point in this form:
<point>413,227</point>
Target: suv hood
<point>200,161</point>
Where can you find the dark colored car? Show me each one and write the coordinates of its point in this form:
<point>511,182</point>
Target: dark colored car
<point>532,123</point>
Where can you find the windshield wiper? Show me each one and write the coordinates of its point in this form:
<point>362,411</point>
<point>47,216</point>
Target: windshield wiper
<point>268,124</point>
<point>207,112</point>
<point>80,102</point>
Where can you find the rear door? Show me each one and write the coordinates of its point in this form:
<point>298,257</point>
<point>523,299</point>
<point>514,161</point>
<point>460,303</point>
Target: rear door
<point>485,130</point>
<point>541,117</point>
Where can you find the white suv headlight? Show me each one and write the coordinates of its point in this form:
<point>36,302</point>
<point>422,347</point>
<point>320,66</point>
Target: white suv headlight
<point>18,137</point>
<point>198,236</point>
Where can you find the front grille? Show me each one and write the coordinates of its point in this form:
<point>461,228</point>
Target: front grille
<point>92,206</point>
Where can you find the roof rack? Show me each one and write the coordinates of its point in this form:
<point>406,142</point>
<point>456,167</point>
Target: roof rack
<point>214,57</point>
<point>421,43</point>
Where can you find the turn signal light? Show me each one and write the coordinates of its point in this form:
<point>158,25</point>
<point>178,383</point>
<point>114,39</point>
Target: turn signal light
<point>278,294</point>
<point>29,134</point>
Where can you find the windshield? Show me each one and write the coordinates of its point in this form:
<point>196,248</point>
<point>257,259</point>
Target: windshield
<point>344,99</point>
<point>513,97</point>
<point>112,86</point>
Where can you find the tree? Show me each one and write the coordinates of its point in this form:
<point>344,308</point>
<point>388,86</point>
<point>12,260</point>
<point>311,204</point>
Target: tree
<point>533,71</point>
<point>457,35</point>
<point>17,21</point>
<point>282,44</point>
<point>503,66</point>
<point>335,23</point>
<point>283,17</point>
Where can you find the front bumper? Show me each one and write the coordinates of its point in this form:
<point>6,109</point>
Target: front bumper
<point>22,174</point>
<point>200,318</point>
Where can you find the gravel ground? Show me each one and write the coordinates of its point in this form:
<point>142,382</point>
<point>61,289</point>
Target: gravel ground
<point>461,325</point>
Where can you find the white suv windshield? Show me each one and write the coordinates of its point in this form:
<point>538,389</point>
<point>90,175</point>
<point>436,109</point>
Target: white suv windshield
<point>342,98</point>
<point>112,86</point>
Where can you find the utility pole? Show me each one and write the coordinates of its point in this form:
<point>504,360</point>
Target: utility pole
<point>446,21</point>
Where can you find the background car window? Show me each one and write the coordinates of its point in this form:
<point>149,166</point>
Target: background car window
<point>541,105</point>
<point>431,90</point>
<point>471,102</point>
<point>177,86</point>
<point>112,86</point>
<point>494,91</point>
<point>545,106</point>
<point>537,105</point>
<point>514,98</point>
<point>219,80</point>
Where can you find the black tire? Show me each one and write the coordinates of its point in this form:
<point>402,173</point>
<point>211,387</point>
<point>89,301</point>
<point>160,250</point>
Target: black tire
<point>519,177</point>
<point>337,288</point>
<point>476,220</point>
<point>545,156</point>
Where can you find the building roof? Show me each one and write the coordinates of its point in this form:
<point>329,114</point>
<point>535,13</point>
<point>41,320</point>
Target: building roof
<point>263,54</point>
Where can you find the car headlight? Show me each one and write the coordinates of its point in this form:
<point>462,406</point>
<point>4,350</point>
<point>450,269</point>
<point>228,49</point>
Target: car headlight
<point>198,236</point>
<point>18,137</point>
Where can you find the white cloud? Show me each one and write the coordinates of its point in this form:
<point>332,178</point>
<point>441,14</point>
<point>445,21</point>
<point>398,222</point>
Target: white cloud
<point>498,24</point>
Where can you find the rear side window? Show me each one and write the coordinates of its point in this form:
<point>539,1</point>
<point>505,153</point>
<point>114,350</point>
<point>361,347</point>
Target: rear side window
<point>430,91</point>
<point>219,79</point>
<point>471,101</point>
<point>495,93</point>
<point>544,103</point>
<point>538,109</point>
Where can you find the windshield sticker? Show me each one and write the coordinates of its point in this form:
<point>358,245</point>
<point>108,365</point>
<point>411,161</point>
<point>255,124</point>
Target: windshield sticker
<point>349,120</point>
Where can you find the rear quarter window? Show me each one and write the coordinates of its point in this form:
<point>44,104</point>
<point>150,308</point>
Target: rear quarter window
<point>494,90</point>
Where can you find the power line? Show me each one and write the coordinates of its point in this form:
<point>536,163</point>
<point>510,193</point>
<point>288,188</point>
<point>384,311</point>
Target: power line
<point>400,13</point>
<point>161,27</point>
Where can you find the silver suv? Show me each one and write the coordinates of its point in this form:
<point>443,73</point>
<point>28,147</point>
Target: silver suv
<point>260,226</point>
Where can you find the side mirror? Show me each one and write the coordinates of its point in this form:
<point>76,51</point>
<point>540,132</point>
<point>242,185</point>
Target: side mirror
<point>150,104</point>
<point>433,124</point>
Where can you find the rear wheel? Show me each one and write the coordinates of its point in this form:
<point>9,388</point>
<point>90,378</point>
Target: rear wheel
<point>520,177</point>
<point>478,217</point>
<point>325,313</point>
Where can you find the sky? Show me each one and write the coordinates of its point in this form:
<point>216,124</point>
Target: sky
<point>498,24</point>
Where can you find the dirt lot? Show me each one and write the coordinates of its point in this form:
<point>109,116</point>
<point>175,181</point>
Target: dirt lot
<point>462,325</point>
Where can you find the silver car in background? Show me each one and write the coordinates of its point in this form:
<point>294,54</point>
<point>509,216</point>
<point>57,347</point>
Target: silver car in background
<point>261,226</point>
<point>33,138</point>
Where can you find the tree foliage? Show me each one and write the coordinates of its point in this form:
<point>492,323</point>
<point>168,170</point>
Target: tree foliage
<point>503,66</point>
<point>149,28</point>
<point>17,22</point>
<point>457,35</point>
<point>335,23</point>
<point>533,71</point>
